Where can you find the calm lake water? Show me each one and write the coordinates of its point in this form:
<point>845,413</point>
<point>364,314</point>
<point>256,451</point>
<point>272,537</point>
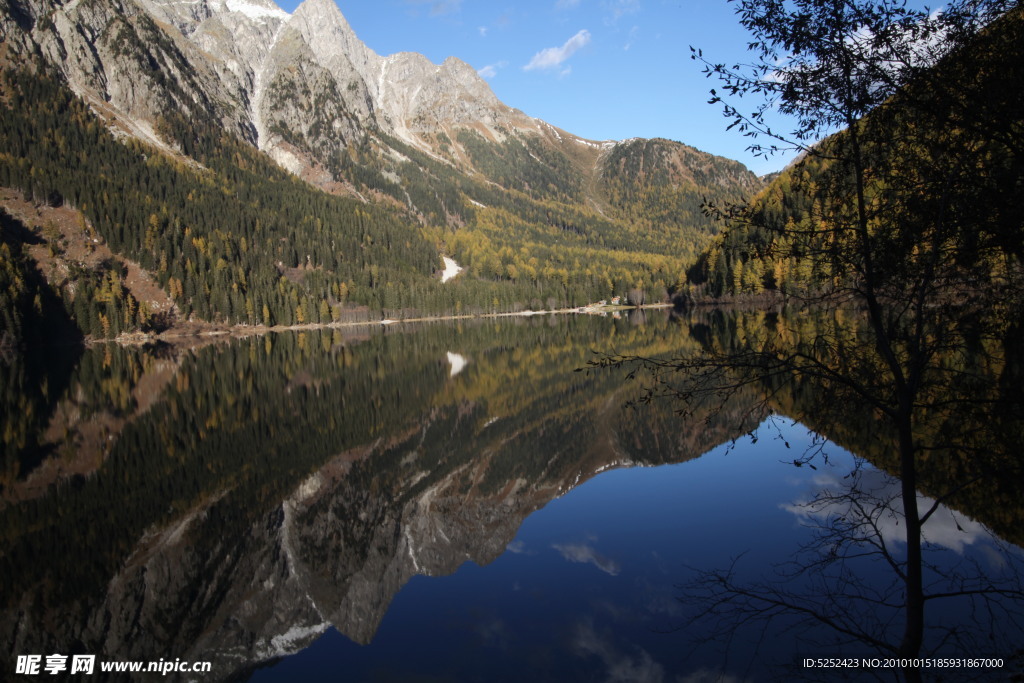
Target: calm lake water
<point>453,502</point>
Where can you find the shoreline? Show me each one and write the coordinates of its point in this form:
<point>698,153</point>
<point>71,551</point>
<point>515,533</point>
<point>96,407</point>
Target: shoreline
<point>213,331</point>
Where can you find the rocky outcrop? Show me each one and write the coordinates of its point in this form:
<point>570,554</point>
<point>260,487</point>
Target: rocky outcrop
<point>332,554</point>
<point>306,90</point>
<point>301,87</point>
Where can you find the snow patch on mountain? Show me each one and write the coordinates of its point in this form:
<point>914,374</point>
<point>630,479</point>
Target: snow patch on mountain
<point>256,11</point>
<point>294,640</point>
<point>451,269</point>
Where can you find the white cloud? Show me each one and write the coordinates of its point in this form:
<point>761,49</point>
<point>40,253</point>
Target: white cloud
<point>946,528</point>
<point>566,4</point>
<point>552,57</point>
<point>483,31</point>
<point>584,554</point>
<point>491,70</point>
<point>516,547</point>
<point>446,7</point>
<point>621,666</point>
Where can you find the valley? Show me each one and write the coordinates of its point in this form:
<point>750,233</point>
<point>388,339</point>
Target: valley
<point>267,170</point>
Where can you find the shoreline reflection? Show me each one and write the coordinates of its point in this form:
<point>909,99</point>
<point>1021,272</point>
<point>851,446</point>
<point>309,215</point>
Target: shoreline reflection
<point>247,501</point>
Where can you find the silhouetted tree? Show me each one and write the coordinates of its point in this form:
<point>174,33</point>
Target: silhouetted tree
<point>901,215</point>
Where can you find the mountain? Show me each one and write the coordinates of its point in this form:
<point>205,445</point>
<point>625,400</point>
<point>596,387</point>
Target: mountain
<point>379,166</point>
<point>231,526</point>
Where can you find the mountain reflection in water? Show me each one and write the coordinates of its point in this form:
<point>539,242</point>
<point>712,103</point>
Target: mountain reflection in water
<point>413,503</point>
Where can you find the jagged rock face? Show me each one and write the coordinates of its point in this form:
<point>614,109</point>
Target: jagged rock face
<point>331,554</point>
<point>299,106</point>
<point>420,97</point>
<point>239,43</point>
<point>301,87</point>
<point>404,95</point>
<point>333,43</point>
<point>305,90</point>
<point>124,62</point>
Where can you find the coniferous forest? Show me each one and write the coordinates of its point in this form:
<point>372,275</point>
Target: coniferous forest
<point>944,151</point>
<point>234,239</point>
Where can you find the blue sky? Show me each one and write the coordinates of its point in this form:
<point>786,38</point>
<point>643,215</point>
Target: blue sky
<point>601,69</point>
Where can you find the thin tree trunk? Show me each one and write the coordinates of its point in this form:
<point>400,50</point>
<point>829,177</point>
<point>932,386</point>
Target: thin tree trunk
<point>913,633</point>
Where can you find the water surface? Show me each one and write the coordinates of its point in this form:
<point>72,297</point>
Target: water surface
<point>445,502</point>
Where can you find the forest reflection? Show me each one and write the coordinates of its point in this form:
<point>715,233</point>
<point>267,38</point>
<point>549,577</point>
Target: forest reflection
<point>947,441</point>
<point>232,502</point>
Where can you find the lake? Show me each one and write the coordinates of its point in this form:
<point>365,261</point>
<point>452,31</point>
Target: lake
<point>456,502</point>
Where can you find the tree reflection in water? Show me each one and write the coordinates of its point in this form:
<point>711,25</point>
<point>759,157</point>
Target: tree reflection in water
<point>850,578</point>
<point>857,587</point>
<point>911,257</point>
<point>239,500</point>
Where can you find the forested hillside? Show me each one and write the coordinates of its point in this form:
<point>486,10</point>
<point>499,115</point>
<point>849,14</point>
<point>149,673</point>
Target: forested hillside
<point>658,189</point>
<point>944,188</point>
<point>233,238</point>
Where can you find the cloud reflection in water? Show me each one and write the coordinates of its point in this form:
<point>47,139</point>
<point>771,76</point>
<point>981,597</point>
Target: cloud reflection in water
<point>585,554</point>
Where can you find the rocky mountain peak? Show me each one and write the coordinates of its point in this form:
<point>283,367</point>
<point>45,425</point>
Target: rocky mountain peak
<point>334,44</point>
<point>301,86</point>
<point>467,77</point>
<point>188,17</point>
<point>323,18</point>
<point>403,94</point>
